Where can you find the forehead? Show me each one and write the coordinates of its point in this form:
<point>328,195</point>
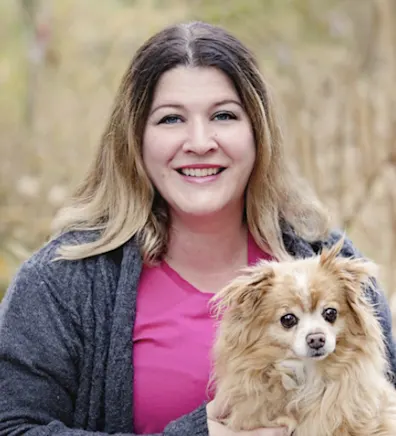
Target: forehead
<point>306,288</point>
<point>183,83</point>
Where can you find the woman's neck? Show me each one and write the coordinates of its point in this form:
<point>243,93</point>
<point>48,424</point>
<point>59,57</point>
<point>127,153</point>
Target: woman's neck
<point>208,252</point>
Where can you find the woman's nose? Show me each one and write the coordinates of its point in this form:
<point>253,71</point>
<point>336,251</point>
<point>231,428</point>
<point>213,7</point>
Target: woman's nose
<point>200,138</point>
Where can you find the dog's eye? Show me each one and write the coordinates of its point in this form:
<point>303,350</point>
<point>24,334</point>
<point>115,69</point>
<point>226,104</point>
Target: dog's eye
<point>288,321</point>
<point>330,315</point>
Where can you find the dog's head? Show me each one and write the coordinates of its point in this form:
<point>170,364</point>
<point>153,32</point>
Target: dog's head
<point>299,309</point>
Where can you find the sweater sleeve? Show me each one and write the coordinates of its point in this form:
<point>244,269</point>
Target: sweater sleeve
<point>40,342</point>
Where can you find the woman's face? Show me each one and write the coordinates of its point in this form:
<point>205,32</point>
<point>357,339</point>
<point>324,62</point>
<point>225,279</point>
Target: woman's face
<point>198,144</point>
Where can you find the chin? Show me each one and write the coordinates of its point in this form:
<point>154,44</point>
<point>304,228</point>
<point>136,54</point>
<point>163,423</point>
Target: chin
<point>192,213</point>
<point>299,345</point>
<point>202,208</point>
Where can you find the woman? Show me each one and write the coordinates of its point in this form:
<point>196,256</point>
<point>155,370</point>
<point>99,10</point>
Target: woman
<point>189,185</point>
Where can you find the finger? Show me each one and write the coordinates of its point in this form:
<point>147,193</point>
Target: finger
<point>279,431</point>
<point>217,429</point>
<point>210,409</point>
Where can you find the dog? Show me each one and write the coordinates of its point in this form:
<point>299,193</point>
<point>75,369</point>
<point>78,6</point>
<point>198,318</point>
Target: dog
<point>299,345</point>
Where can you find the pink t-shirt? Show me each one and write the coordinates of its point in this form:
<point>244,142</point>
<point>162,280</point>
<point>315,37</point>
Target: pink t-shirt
<point>172,337</point>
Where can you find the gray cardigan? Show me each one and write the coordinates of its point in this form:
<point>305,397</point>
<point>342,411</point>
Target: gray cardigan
<point>66,342</point>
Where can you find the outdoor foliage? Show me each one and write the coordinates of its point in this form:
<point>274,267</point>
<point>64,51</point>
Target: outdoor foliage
<point>331,64</point>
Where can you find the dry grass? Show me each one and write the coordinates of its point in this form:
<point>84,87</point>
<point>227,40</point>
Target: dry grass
<point>331,63</point>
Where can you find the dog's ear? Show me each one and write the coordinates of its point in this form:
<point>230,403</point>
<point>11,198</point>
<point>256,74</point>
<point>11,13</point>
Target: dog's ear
<point>328,255</point>
<point>364,319</point>
<point>245,292</point>
<point>356,275</point>
<point>357,270</point>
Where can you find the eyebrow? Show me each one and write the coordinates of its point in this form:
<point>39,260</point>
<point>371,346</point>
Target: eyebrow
<point>180,106</point>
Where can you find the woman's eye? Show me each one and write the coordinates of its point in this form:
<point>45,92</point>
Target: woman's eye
<point>170,119</point>
<point>224,116</point>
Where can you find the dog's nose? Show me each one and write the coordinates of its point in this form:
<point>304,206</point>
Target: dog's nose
<point>316,340</point>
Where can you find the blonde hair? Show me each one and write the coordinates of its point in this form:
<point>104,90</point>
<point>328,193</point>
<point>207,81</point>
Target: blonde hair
<point>117,199</point>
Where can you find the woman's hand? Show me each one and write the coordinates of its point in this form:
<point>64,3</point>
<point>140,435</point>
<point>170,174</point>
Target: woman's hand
<point>217,429</point>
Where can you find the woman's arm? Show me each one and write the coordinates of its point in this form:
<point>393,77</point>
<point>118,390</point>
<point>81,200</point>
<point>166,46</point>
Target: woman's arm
<point>40,350</point>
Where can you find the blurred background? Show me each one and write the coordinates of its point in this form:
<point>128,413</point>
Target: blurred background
<point>331,63</point>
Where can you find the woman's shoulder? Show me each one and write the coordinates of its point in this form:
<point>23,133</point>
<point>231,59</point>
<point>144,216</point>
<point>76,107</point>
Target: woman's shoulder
<point>66,281</point>
<point>348,248</point>
<point>46,259</point>
<point>301,247</point>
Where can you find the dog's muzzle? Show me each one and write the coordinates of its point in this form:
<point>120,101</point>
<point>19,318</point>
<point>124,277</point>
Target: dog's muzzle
<point>316,343</point>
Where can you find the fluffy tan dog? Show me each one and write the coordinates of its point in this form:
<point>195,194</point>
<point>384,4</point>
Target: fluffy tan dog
<point>299,345</point>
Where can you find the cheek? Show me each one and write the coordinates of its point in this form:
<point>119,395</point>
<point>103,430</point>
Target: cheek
<point>281,336</point>
<point>250,154</point>
<point>339,327</point>
<point>239,144</point>
<point>155,157</point>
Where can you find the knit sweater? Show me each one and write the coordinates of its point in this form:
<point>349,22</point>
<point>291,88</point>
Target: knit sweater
<point>66,364</point>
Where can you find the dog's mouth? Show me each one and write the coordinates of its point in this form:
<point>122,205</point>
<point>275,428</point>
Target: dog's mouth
<point>317,354</point>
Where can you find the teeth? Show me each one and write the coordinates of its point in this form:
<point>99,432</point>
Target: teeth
<point>200,172</point>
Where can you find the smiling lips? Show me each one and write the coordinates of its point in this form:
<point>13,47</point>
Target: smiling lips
<point>200,171</point>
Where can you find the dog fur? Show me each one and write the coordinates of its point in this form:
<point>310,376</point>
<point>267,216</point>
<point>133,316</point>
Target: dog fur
<point>264,377</point>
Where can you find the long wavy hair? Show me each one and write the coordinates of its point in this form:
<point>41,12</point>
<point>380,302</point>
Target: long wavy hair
<point>117,199</point>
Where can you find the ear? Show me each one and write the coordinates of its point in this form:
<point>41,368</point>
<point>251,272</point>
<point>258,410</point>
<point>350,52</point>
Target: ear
<point>356,275</point>
<point>328,255</point>
<point>245,292</point>
<point>357,270</point>
<point>364,319</point>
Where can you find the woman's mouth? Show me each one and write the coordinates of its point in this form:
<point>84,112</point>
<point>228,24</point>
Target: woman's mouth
<point>200,172</point>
